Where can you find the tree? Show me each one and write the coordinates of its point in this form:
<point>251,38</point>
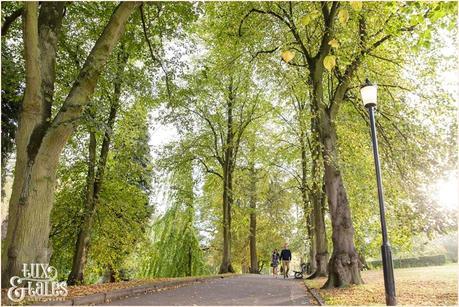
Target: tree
<point>226,123</point>
<point>311,180</point>
<point>174,247</point>
<point>40,139</point>
<point>235,100</point>
<point>253,157</point>
<point>253,220</point>
<point>95,177</point>
<point>123,201</point>
<point>317,57</point>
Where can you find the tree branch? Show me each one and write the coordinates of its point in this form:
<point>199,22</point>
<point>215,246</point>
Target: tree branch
<point>214,132</point>
<point>63,125</point>
<point>329,19</point>
<point>209,170</point>
<point>10,19</point>
<point>264,52</point>
<point>385,59</point>
<point>152,54</point>
<point>31,102</point>
<point>254,10</point>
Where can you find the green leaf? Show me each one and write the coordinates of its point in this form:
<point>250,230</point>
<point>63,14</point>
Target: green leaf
<point>356,5</point>
<point>334,43</point>
<point>343,16</point>
<point>330,62</point>
<point>305,20</point>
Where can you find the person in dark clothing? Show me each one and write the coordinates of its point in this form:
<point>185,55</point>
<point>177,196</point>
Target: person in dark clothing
<point>286,257</point>
<point>275,261</point>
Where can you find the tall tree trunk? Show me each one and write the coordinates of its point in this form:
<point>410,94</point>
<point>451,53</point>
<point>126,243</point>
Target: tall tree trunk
<point>3,179</point>
<point>253,221</point>
<point>189,201</point>
<point>228,168</point>
<point>304,193</point>
<point>344,266</point>
<point>33,184</point>
<point>317,195</point>
<point>79,258</point>
<point>312,243</point>
<point>226,266</point>
<point>306,205</point>
<point>363,261</point>
<point>39,141</point>
<point>190,262</point>
<point>320,236</point>
<point>96,180</point>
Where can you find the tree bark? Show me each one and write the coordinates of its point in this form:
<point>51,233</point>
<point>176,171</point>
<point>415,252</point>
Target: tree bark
<point>304,194</point>
<point>363,261</point>
<point>253,221</point>
<point>189,201</point>
<point>320,236</point>
<point>94,181</point>
<point>226,266</point>
<point>80,255</point>
<point>312,243</point>
<point>40,141</point>
<point>228,168</point>
<point>344,266</point>
<point>317,196</point>
<point>190,262</point>
<point>34,177</point>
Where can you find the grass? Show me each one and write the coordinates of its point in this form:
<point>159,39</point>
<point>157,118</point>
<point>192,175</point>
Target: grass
<point>437,285</point>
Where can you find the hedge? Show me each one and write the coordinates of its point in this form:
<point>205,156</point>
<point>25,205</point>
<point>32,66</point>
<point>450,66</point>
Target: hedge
<point>412,262</point>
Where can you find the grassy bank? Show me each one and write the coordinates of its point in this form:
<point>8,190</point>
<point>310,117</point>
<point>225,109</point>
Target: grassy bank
<point>435,285</point>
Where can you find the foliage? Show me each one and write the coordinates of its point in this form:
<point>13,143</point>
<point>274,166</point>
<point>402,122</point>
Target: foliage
<point>12,87</point>
<point>123,202</point>
<point>173,248</point>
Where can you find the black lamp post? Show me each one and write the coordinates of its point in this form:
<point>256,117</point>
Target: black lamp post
<point>369,98</point>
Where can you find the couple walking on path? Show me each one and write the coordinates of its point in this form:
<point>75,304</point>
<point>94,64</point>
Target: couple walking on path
<point>285,256</point>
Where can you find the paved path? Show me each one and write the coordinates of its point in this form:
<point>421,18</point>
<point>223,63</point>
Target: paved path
<point>239,290</point>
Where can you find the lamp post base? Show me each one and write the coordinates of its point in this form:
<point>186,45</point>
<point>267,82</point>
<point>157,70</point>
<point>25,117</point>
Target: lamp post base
<point>389,282</point>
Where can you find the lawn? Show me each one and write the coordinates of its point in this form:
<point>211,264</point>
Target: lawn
<point>436,285</point>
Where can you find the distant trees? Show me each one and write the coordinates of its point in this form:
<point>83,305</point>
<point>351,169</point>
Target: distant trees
<point>232,109</point>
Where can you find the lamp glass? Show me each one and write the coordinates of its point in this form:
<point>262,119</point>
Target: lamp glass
<point>369,95</point>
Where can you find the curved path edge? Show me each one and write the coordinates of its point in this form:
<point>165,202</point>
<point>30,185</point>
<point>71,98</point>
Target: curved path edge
<point>109,296</point>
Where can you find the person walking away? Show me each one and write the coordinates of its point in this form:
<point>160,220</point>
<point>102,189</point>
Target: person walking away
<point>286,257</point>
<point>275,261</point>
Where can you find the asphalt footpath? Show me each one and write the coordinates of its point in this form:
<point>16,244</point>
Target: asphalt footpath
<point>249,289</point>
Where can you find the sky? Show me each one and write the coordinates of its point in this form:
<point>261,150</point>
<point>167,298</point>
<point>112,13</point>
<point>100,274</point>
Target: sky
<point>446,191</point>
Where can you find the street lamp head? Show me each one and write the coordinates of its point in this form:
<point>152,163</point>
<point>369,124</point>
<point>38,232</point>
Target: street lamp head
<point>369,94</point>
